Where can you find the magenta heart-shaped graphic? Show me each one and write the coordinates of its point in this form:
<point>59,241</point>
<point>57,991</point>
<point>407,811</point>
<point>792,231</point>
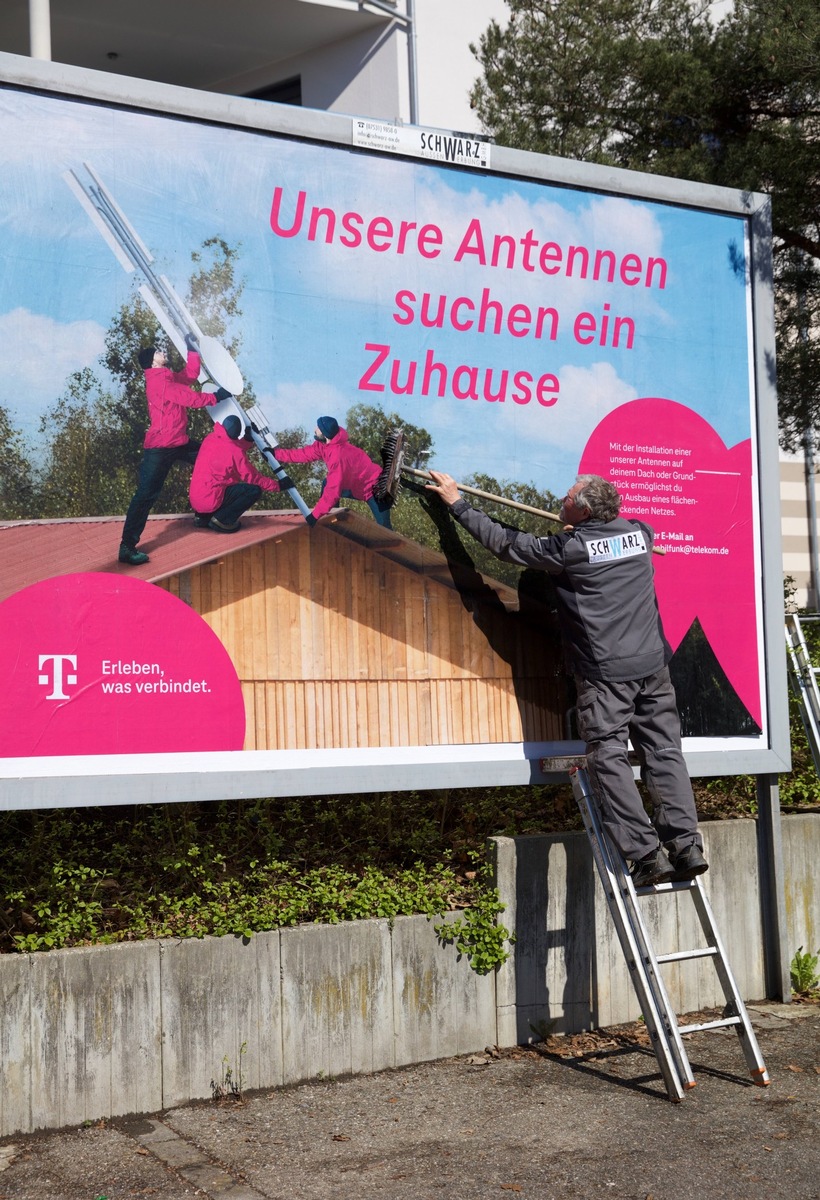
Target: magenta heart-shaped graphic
<point>675,472</point>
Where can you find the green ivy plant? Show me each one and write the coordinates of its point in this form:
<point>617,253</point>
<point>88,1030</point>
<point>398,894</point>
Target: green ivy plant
<point>477,933</point>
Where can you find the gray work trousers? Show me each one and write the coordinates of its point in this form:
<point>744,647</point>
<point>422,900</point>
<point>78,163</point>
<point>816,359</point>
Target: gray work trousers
<point>645,710</point>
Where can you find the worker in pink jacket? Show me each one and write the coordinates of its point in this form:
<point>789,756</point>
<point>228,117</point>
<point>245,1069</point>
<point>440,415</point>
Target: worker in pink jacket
<point>350,472</point>
<point>225,482</point>
<point>169,397</point>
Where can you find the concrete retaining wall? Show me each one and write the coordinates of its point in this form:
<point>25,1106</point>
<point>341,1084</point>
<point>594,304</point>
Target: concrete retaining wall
<point>135,1028</point>
<point>566,971</point>
<point>112,1030</point>
<point>801,861</point>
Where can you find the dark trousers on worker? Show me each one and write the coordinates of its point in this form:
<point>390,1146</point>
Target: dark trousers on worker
<point>154,468</point>
<point>238,497</point>
<point>645,711</point>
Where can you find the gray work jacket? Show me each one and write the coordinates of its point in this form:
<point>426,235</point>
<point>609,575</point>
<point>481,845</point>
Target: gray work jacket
<point>604,581</point>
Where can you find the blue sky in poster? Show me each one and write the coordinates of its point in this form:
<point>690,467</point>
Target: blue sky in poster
<point>310,308</point>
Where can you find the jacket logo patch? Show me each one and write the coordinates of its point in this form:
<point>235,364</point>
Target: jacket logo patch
<point>624,545</point>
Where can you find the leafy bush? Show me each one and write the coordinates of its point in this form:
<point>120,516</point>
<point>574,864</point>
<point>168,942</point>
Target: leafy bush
<point>97,875</point>
<point>115,874</point>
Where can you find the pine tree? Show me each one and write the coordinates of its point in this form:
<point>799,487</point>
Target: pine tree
<point>654,85</point>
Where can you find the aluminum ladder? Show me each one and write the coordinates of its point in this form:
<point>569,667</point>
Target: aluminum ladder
<point>665,1033</point>
<point>803,678</point>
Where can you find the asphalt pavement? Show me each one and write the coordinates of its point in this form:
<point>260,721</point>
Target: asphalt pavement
<point>581,1117</point>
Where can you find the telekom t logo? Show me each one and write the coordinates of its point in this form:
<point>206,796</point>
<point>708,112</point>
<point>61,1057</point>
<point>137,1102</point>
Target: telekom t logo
<point>56,678</point>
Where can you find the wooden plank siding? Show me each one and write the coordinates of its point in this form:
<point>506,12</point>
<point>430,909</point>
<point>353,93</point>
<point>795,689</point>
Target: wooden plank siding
<point>339,646</point>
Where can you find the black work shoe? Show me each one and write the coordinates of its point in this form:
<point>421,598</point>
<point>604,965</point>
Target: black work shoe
<point>220,527</point>
<point>688,863</point>
<point>655,868</point>
<point>202,520</point>
<point>132,556</point>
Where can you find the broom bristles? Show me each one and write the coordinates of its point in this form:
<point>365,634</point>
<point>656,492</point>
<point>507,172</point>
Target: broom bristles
<point>388,484</point>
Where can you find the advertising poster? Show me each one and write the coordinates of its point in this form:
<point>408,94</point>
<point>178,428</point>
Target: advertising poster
<point>519,331</point>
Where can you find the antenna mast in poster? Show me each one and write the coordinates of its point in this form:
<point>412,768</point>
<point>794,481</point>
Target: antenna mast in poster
<point>218,366</point>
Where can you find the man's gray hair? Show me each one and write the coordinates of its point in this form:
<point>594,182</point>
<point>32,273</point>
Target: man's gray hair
<point>598,495</point>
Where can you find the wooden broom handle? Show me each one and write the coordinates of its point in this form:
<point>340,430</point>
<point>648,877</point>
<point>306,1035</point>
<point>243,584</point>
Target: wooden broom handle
<point>538,512</point>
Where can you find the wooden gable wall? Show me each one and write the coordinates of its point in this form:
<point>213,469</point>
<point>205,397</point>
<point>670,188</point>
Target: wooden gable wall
<point>337,646</point>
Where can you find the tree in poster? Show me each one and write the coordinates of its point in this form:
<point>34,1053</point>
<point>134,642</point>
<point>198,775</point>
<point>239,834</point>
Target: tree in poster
<point>368,426</point>
<point>16,472</point>
<point>654,85</point>
<point>89,469</point>
<point>95,430</point>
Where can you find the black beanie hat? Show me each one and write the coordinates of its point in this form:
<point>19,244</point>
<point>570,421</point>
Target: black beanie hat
<point>145,357</point>
<point>329,426</point>
<point>233,427</point>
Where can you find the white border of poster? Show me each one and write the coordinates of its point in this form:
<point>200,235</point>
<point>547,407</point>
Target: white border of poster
<point>479,173</point>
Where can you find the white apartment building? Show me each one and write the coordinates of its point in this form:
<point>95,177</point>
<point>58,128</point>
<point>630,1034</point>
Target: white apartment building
<point>407,61</point>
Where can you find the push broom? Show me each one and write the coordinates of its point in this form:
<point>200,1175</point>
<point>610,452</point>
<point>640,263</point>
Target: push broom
<point>389,482</point>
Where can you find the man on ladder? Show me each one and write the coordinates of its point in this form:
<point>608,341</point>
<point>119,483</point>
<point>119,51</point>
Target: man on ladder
<point>615,647</point>
<point>614,642</point>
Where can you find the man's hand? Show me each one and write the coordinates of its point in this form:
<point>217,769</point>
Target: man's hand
<point>285,482</point>
<point>311,520</point>
<point>445,486</point>
<point>192,342</point>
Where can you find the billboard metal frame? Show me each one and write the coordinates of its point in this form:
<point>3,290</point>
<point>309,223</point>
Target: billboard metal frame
<point>155,778</point>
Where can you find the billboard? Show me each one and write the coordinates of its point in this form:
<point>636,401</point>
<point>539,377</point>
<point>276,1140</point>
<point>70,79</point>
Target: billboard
<point>523,318</point>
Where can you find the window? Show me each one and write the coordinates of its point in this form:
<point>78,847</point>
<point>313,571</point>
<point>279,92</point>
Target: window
<point>286,91</point>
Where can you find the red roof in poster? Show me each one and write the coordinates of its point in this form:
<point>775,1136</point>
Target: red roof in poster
<point>35,550</point>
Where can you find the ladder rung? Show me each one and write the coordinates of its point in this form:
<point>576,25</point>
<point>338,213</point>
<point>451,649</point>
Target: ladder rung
<point>655,889</point>
<point>710,1025</point>
<point>679,955</point>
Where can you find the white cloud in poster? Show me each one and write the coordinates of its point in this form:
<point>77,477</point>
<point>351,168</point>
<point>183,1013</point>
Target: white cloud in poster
<point>301,404</point>
<point>532,443</point>
<point>587,395</point>
<point>45,353</point>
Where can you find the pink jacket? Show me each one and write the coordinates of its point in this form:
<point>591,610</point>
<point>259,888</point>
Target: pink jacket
<point>222,461</point>
<point>169,398</point>
<point>348,469</point>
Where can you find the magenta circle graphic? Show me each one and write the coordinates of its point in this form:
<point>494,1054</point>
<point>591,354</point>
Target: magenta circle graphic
<point>103,664</point>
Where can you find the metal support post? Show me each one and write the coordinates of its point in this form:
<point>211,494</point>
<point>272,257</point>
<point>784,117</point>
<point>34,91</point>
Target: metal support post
<point>39,26</point>
<point>772,889</point>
